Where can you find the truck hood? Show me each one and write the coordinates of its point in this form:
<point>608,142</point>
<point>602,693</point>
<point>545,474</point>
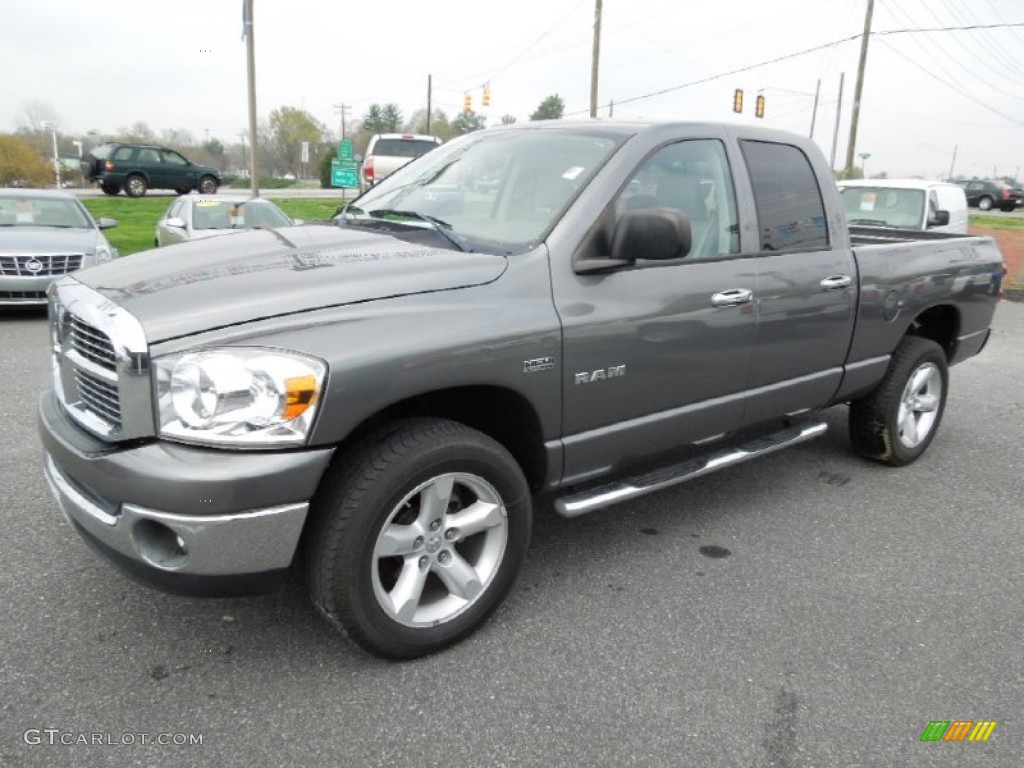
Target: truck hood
<point>28,240</point>
<point>223,281</point>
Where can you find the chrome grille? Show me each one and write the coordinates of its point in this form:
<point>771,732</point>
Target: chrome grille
<point>92,344</point>
<point>101,365</point>
<point>100,397</point>
<point>49,264</point>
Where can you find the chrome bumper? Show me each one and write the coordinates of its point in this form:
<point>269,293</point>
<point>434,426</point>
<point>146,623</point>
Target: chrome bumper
<point>253,541</point>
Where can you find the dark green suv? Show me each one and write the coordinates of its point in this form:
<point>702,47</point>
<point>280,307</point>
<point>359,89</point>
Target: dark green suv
<point>139,167</point>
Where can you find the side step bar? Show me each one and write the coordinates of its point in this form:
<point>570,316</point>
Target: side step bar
<point>633,487</point>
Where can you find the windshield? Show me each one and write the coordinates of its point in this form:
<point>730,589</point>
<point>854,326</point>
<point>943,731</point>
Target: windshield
<point>884,206</point>
<point>20,211</point>
<point>499,191</point>
<point>224,214</point>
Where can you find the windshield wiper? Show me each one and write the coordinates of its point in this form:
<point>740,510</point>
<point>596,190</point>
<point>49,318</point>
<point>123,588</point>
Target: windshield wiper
<point>872,222</point>
<point>439,225</point>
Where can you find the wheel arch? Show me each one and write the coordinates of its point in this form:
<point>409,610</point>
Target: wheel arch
<point>941,324</point>
<point>499,412</point>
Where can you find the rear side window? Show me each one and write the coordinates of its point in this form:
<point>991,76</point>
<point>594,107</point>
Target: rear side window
<point>403,147</point>
<point>124,153</point>
<point>790,212</point>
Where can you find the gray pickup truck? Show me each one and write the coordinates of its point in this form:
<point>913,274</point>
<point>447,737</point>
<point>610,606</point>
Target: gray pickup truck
<point>381,401</point>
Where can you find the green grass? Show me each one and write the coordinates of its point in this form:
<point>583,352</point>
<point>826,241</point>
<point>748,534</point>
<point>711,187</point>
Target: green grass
<point>137,217</point>
<point>995,222</point>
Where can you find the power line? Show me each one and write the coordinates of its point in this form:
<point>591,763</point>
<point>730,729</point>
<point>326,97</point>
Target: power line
<point>962,92</point>
<point>797,54</point>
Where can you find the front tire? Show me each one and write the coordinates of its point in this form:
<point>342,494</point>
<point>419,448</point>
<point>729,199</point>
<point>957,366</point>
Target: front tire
<point>208,185</point>
<point>985,204</point>
<point>417,537</point>
<point>897,422</point>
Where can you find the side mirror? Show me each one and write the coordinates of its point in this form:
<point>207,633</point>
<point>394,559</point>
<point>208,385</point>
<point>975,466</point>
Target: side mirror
<point>940,219</point>
<point>107,223</point>
<point>175,222</point>
<point>653,234</point>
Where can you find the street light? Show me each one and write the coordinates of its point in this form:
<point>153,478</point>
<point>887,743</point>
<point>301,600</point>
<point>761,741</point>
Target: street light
<point>56,158</point>
<point>864,163</point>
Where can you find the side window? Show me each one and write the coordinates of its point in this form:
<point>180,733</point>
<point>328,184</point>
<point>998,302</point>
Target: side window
<point>694,177</point>
<point>790,212</point>
<point>148,156</point>
<point>933,204</point>
<point>176,210</point>
<point>124,153</point>
<point>173,158</point>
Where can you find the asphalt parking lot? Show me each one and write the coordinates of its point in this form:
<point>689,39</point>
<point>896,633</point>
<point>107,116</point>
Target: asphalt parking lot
<point>854,604</point>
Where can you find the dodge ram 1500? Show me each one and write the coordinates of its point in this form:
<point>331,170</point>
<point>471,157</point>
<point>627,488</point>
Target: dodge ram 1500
<point>381,401</point>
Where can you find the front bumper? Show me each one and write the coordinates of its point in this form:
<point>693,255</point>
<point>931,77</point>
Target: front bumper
<point>184,519</point>
<point>24,291</point>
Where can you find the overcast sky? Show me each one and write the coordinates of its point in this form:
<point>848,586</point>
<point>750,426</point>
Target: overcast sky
<point>104,64</point>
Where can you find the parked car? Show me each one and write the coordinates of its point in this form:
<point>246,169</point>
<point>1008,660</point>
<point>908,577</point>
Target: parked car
<point>137,168</point>
<point>194,217</point>
<point>44,234</point>
<point>985,195</point>
<point>384,401</point>
<point>387,152</point>
<point>905,203</point>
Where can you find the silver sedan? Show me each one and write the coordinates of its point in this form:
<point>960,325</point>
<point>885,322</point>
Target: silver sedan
<point>195,217</point>
<point>45,234</point>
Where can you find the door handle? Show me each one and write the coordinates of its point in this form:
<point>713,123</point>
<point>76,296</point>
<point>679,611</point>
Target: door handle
<point>836,282</point>
<point>732,298</point>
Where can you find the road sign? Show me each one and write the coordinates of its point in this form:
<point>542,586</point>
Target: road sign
<point>345,150</point>
<point>344,175</point>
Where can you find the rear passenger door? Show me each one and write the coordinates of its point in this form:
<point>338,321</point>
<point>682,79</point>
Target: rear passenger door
<point>806,286</point>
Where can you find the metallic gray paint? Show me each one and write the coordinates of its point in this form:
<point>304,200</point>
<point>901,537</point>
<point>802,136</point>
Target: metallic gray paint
<point>175,478</point>
<point>246,542</point>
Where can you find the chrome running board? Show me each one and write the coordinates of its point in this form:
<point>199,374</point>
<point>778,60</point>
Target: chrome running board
<point>629,488</point>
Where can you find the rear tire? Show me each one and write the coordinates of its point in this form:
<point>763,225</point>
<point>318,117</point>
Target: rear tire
<point>896,423</point>
<point>135,186</point>
<point>110,189</point>
<point>417,536</point>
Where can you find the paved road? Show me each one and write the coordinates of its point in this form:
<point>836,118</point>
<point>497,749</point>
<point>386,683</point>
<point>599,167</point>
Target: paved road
<point>858,603</point>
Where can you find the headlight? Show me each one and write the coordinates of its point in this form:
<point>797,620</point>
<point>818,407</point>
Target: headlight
<point>246,397</point>
<point>103,254</point>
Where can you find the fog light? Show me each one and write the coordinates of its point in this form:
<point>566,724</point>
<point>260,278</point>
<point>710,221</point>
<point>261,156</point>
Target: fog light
<point>159,545</point>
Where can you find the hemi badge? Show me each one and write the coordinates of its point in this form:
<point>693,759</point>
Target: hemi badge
<point>538,364</point>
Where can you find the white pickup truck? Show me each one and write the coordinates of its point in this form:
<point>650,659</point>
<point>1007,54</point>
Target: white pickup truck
<point>905,204</point>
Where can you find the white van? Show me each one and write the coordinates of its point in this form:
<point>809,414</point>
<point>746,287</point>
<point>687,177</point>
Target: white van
<point>905,203</point>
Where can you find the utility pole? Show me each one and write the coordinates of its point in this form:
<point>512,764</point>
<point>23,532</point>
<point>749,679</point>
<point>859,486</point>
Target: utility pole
<point>430,96</point>
<point>341,109</point>
<point>839,115</point>
<point>851,146</point>
<point>245,162</point>
<point>597,57</point>
<point>814,109</point>
<point>611,108</point>
<point>953,162</point>
<point>249,32</point>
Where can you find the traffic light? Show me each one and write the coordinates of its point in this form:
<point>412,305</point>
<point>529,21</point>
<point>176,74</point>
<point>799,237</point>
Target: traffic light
<point>486,100</point>
<point>737,100</point>
<point>759,107</point>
